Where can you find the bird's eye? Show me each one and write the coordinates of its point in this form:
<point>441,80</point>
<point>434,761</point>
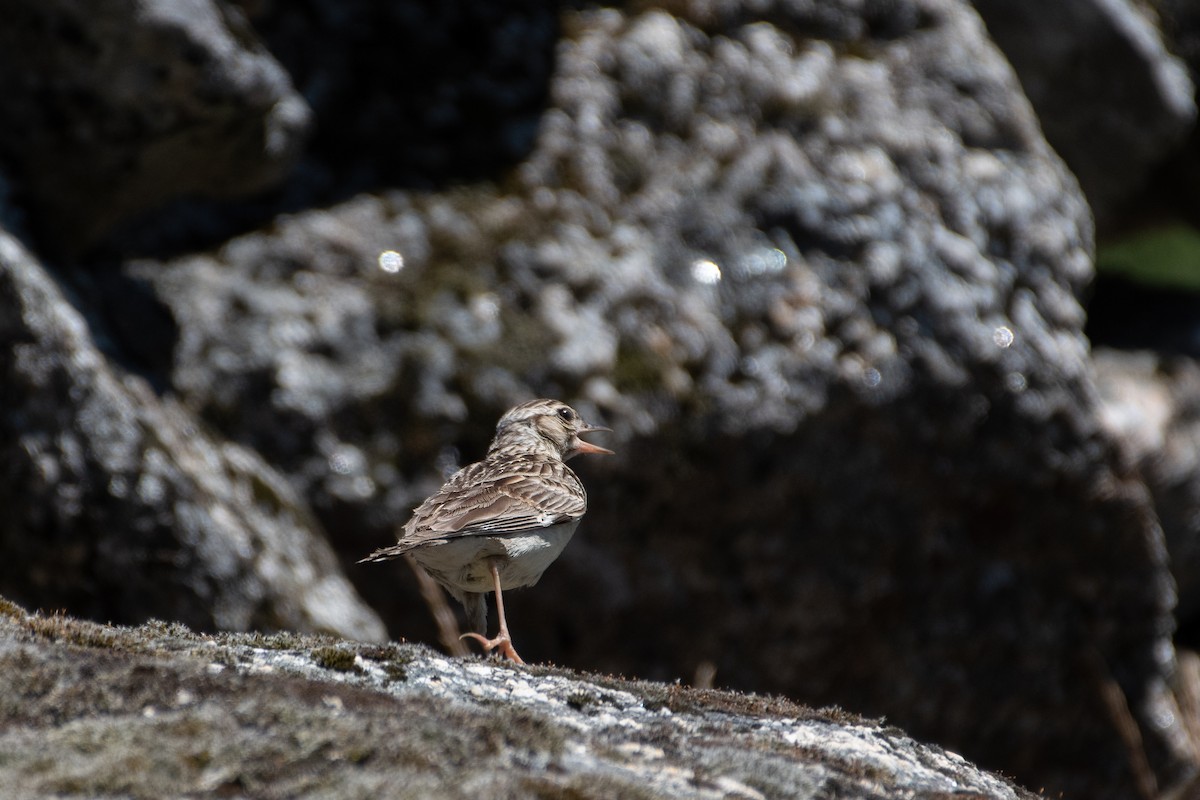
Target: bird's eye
<point>566,414</point>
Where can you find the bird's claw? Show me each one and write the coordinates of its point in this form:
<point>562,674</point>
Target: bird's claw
<point>502,641</point>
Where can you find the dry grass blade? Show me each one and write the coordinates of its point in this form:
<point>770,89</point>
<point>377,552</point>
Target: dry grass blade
<point>1127,727</point>
<point>443,615</point>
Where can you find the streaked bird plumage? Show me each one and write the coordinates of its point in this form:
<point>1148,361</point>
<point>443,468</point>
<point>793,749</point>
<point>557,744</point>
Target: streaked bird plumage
<point>499,523</point>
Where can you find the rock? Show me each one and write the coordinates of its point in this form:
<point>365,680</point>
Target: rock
<point>1172,194</point>
<point>120,506</point>
<point>1113,102</point>
<point>820,271</point>
<point>159,711</point>
<point>112,110</point>
<point>1151,405</point>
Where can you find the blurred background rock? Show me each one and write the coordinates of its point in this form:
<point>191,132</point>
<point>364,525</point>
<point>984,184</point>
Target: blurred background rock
<point>886,438</point>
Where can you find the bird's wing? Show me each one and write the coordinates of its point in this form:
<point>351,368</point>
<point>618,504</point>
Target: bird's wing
<point>486,498</point>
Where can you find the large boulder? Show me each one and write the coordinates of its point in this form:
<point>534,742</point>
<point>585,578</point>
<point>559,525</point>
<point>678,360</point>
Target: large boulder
<point>119,506</point>
<point>158,711</point>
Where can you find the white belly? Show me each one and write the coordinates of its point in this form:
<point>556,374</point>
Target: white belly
<point>462,563</point>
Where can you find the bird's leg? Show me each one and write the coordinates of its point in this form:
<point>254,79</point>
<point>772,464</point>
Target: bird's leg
<point>502,640</point>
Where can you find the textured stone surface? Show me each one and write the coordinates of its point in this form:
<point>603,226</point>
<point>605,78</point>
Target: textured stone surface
<point>1152,405</point>
<point>115,108</point>
<point>1173,192</point>
<point>160,712</point>
<point>1111,99</point>
<point>118,506</point>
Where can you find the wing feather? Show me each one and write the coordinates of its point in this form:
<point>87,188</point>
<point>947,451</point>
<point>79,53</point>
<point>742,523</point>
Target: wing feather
<point>517,494</point>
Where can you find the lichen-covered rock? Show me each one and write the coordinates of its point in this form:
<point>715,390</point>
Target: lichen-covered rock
<point>157,711</point>
<point>119,506</point>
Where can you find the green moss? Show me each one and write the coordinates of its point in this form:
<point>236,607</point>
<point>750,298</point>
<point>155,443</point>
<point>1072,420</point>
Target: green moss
<point>525,341</point>
<point>198,759</point>
<point>580,700</point>
<point>637,370</point>
<point>1167,256</point>
<point>359,754</point>
<point>277,641</point>
<point>414,307</point>
<point>11,609</point>
<point>71,631</point>
<point>159,628</point>
<point>391,657</point>
<point>682,699</point>
<point>385,652</point>
<point>587,787</point>
<point>336,658</point>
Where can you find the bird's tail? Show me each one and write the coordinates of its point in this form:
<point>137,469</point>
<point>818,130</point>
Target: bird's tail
<point>386,553</point>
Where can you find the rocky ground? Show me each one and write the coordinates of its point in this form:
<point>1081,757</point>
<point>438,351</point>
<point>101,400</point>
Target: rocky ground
<point>159,711</point>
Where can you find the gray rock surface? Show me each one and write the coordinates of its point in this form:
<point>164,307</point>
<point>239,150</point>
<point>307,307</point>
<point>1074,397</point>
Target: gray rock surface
<point>1111,98</point>
<point>116,107</point>
<point>1173,194</point>
<point>119,506</point>
<point>158,711</point>
<point>1152,406</point>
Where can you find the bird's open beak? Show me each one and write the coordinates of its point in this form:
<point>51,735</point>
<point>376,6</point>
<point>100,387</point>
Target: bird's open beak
<point>588,447</point>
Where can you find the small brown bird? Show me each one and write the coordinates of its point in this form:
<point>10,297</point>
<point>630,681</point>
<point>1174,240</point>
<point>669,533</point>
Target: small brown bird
<point>499,523</point>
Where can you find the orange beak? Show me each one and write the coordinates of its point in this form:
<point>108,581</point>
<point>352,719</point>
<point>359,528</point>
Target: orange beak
<point>588,448</point>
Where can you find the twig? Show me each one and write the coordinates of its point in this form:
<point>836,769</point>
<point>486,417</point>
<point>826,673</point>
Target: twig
<point>706,673</point>
<point>1187,696</point>
<point>443,614</point>
<point>1127,727</point>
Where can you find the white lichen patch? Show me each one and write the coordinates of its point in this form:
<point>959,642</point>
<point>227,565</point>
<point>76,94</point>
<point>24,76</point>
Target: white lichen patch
<point>702,750</point>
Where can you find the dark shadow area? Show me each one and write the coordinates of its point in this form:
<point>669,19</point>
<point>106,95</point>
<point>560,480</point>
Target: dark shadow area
<point>1131,316</point>
<point>452,93</point>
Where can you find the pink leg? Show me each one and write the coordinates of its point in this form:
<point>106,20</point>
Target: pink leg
<point>502,640</point>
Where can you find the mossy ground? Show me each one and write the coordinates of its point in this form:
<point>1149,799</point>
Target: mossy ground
<point>161,711</point>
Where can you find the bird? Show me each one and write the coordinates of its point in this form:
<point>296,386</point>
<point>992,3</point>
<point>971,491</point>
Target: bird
<point>499,523</point>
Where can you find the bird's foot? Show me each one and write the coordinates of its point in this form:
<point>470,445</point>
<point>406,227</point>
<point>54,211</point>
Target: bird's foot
<point>502,641</point>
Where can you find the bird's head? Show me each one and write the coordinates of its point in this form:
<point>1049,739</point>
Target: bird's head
<point>546,424</point>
